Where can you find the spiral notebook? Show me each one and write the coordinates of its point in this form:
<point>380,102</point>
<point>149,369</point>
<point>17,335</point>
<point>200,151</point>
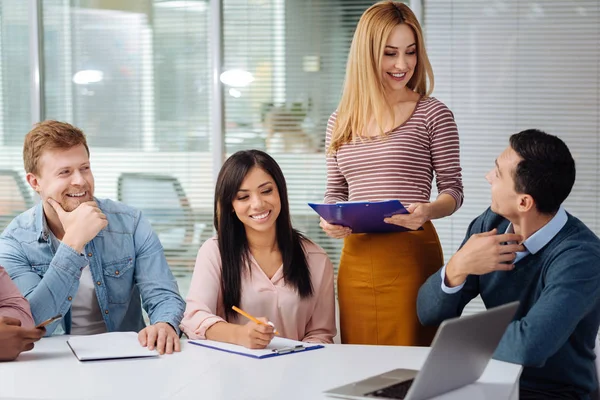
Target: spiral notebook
<point>278,347</point>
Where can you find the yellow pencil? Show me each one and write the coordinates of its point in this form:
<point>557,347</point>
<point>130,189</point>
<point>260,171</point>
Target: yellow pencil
<point>251,318</point>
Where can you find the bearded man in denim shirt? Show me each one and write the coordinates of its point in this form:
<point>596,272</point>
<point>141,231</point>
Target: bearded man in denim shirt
<point>96,261</point>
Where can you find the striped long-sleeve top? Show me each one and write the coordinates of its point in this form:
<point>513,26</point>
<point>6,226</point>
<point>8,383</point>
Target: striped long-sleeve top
<point>400,165</point>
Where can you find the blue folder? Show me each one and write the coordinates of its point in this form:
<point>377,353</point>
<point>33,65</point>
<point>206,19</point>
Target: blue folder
<point>362,216</point>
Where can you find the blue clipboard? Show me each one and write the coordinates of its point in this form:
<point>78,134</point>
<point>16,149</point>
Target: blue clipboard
<point>362,216</point>
<point>277,347</point>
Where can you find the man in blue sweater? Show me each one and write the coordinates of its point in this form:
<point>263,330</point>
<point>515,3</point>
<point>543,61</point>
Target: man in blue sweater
<point>526,247</point>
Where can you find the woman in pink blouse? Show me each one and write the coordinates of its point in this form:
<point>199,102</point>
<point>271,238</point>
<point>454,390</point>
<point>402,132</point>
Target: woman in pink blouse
<point>259,263</point>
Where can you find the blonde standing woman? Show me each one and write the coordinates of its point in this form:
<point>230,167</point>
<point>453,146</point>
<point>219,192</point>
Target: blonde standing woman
<point>387,140</point>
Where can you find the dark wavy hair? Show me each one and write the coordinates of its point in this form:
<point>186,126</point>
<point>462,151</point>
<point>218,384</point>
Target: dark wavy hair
<point>546,171</point>
<point>233,243</point>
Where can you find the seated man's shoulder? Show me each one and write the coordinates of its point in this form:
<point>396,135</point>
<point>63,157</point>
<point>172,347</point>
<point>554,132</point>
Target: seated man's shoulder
<point>577,238</point>
<point>23,226</point>
<point>116,211</point>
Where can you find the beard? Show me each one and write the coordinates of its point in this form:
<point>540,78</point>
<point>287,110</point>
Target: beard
<point>71,203</point>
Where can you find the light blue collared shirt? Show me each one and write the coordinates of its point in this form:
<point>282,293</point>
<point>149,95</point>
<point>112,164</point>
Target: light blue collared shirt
<point>533,243</point>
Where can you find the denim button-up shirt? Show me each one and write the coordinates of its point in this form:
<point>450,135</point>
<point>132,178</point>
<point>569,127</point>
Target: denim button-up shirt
<point>126,260</point>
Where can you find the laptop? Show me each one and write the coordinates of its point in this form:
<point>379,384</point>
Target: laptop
<point>459,354</point>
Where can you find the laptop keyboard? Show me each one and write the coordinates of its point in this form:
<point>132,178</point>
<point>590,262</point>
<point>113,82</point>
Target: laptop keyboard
<point>395,391</point>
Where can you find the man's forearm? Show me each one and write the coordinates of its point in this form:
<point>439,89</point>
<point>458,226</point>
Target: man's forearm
<point>435,306</point>
<point>55,292</point>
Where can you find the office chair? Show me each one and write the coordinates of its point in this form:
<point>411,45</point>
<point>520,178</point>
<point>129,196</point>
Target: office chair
<point>15,196</point>
<point>163,202</point>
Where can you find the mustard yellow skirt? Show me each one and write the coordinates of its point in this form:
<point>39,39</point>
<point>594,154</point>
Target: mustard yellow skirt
<point>378,280</point>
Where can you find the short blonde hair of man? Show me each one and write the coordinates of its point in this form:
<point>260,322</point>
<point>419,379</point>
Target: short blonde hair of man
<point>50,135</point>
<point>364,94</point>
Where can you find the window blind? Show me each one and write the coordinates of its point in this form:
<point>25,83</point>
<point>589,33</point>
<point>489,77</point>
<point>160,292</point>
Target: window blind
<point>296,57</point>
<point>135,77</point>
<point>15,114</point>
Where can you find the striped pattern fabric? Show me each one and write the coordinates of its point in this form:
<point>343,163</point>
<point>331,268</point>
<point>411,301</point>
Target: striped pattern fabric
<point>400,165</point>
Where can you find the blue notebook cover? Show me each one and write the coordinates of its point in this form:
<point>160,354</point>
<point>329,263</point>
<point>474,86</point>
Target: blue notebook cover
<point>278,347</point>
<point>362,216</point>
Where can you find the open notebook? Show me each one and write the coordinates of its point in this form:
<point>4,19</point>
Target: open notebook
<point>279,346</point>
<point>106,346</point>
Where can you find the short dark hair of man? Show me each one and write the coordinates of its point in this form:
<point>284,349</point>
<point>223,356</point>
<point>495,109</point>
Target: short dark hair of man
<point>546,171</point>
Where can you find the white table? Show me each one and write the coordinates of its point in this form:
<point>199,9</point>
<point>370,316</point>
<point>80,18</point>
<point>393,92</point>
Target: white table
<point>51,371</point>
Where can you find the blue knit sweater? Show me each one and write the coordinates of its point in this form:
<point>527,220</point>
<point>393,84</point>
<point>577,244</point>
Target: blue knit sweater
<point>554,331</point>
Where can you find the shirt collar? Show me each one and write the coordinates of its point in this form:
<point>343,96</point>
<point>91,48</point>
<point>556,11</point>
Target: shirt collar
<point>545,234</point>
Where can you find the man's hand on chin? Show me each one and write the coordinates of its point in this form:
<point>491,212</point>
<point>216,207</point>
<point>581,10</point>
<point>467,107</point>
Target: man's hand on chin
<point>160,336</point>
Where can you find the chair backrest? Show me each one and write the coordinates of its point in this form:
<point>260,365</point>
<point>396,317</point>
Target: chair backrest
<point>163,201</point>
<point>15,197</point>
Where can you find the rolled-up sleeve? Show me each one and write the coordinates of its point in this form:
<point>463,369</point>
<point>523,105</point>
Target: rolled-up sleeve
<point>204,295</point>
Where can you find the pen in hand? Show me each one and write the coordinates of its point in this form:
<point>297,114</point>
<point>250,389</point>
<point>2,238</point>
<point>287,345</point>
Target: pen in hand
<point>253,319</point>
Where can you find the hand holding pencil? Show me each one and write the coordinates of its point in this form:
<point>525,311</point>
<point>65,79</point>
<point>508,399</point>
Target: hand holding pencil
<point>257,333</point>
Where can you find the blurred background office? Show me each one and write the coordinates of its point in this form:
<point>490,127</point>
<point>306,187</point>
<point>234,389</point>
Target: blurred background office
<point>165,89</point>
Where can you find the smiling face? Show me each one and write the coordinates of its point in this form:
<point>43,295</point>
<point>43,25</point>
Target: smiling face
<point>399,58</point>
<point>65,176</point>
<point>505,199</point>
<point>257,204</point>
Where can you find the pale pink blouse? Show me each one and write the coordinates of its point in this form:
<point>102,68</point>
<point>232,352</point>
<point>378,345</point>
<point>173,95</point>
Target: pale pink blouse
<point>311,319</point>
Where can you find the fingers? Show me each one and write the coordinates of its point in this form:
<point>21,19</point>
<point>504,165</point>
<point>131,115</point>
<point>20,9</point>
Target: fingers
<point>28,346</point>
<point>161,342</point>
<point>142,337</point>
<point>263,333</point>
<point>152,336</point>
<point>10,321</point>
<point>411,208</point>
<point>508,237</point>
<point>268,327</point>
<point>511,248</point>
<point>490,233</point>
<point>176,344</point>
<point>169,345</point>
<point>506,258</point>
<point>504,267</point>
<point>33,334</point>
<point>335,231</point>
<point>259,340</point>
<point>57,207</point>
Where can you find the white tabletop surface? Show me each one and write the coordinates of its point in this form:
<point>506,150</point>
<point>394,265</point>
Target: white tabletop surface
<point>51,371</point>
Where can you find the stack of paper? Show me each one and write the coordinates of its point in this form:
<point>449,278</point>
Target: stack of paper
<point>109,346</point>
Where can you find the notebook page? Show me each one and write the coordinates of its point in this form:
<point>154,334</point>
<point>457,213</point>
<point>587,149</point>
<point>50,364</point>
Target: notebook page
<point>109,345</point>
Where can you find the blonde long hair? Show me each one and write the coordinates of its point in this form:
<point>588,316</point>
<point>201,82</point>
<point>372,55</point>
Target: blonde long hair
<point>364,94</point>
